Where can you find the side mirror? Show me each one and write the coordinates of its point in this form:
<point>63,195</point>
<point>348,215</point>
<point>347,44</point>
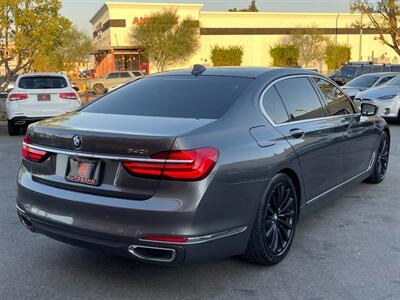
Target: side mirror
<point>368,109</point>
<point>76,88</point>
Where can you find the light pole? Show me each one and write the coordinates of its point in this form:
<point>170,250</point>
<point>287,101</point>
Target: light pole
<point>361,35</point>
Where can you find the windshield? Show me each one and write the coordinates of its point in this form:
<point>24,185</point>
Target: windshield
<point>202,97</point>
<point>42,82</point>
<point>394,81</point>
<point>363,81</point>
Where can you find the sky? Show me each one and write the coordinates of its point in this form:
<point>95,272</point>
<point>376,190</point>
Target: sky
<point>80,11</point>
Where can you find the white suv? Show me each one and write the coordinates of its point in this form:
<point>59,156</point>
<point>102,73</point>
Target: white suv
<point>37,96</point>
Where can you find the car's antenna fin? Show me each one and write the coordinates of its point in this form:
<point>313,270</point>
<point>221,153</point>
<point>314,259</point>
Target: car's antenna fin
<point>198,69</point>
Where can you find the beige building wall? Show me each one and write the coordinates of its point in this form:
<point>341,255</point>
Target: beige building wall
<point>256,45</point>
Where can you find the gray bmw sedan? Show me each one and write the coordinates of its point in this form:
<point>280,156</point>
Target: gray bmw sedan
<point>199,164</point>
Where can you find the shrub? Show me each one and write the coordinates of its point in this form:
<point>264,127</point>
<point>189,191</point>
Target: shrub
<point>336,55</point>
<point>284,55</point>
<point>226,56</point>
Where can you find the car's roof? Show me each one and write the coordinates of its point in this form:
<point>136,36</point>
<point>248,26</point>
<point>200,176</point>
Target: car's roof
<point>247,72</point>
<point>42,74</point>
<point>381,74</point>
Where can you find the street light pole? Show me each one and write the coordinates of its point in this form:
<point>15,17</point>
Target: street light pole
<point>361,36</point>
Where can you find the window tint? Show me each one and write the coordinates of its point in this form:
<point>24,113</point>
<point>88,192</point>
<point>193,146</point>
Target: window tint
<point>395,68</point>
<point>137,74</point>
<point>384,80</point>
<point>112,75</point>
<point>300,99</point>
<point>394,81</point>
<point>376,68</point>
<point>42,82</point>
<point>202,97</point>
<point>348,71</point>
<point>273,106</point>
<point>124,75</point>
<point>337,102</point>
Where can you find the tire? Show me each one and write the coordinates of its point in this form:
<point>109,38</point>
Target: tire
<point>99,89</point>
<point>13,130</point>
<point>381,161</point>
<point>270,239</point>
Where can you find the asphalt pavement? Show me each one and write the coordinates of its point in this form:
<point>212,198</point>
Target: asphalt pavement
<point>349,249</point>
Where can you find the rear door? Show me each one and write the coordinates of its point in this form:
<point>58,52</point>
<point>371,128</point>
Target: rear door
<point>359,143</point>
<point>47,95</point>
<point>297,111</point>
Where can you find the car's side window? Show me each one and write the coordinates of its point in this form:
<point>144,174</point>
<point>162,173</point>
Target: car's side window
<point>300,99</point>
<point>337,102</point>
<point>112,75</point>
<point>273,106</point>
<point>124,75</point>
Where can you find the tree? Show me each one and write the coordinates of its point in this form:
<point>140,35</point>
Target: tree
<point>166,39</point>
<point>284,55</point>
<point>75,48</point>
<point>384,16</point>
<point>337,55</point>
<point>252,8</point>
<point>227,56</point>
<point>311,45</point>
<point>27,28</point>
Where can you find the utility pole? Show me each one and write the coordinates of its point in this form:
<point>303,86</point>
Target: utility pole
<point>361,35</point>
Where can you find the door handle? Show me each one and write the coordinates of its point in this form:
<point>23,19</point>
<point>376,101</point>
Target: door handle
<point>346,123</point>
<point>296,133</point>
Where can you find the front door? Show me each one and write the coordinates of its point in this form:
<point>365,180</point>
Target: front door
<point>359,144</point>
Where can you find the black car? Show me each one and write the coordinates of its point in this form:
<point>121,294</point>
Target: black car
<point>351,70</point>
<point>198,164</point>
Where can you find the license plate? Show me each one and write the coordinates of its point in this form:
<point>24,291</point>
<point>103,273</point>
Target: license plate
<point>84,171</point>
<point>43,97</point>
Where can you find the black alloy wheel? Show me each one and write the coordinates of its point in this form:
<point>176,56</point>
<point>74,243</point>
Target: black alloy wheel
<point>275,223</point>
<point>381,161</point>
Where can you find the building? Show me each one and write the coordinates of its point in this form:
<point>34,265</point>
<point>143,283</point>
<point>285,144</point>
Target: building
<point>255,32</point>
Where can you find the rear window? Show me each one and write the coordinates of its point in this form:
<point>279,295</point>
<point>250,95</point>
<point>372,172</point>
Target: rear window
<point>202,97</point>
<point>42,82</point>
<point>348,71</point>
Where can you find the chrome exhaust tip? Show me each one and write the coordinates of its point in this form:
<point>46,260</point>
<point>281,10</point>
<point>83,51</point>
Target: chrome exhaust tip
<point>153,253</point>
<point>19,123</point>
<point>25,221</point>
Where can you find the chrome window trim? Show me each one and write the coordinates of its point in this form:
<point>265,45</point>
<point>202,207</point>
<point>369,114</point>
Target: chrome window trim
<point>261,98</point>
<point>108,157</point>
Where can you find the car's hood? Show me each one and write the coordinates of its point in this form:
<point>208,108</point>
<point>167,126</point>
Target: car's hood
<point>352,91</point>
<point>377,92</point>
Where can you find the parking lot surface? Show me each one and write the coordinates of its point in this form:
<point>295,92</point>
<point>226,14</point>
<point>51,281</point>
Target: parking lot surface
<point>349,249</point>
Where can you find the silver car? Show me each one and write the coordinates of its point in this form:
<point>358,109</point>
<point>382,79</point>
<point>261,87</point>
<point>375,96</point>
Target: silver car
<point>367,81</point>
<point>386,97</point>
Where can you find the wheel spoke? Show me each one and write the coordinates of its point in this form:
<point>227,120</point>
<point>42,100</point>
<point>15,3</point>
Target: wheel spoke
<point>269,232</point>
<point>274,243</point>
<point>284,233</point>
<point>284,224</point>
<point>285,200</point>
<point>287,206</point>
<point>287,214</point>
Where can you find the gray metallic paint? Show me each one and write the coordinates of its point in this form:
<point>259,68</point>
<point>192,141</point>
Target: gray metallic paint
<point>252,150</point>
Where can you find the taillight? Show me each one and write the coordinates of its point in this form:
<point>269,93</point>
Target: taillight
<point>176,165</point>
<point>17,97</point>
<point>32,154</point>
<point>69,96</point>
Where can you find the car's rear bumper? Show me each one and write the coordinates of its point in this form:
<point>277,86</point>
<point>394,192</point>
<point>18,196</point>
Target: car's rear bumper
<point>115,224</point>
<point>202,248</point>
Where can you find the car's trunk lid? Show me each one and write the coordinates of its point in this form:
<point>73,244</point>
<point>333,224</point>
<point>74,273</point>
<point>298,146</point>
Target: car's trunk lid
<point>108,140</point>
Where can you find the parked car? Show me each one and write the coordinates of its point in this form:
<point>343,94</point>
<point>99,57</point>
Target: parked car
<point>366,81</point>
<point>100,86</point>
<point>386,97</point>
<point>37,96</point>
<point>9,87</point>
<point>117,86</point>
<point>351,70</point>
<point>198,164</point>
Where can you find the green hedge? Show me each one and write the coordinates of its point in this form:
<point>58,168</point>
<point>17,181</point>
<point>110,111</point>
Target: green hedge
<point>284,55</point>
<point>226,56</point>
<point>336,55</point>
